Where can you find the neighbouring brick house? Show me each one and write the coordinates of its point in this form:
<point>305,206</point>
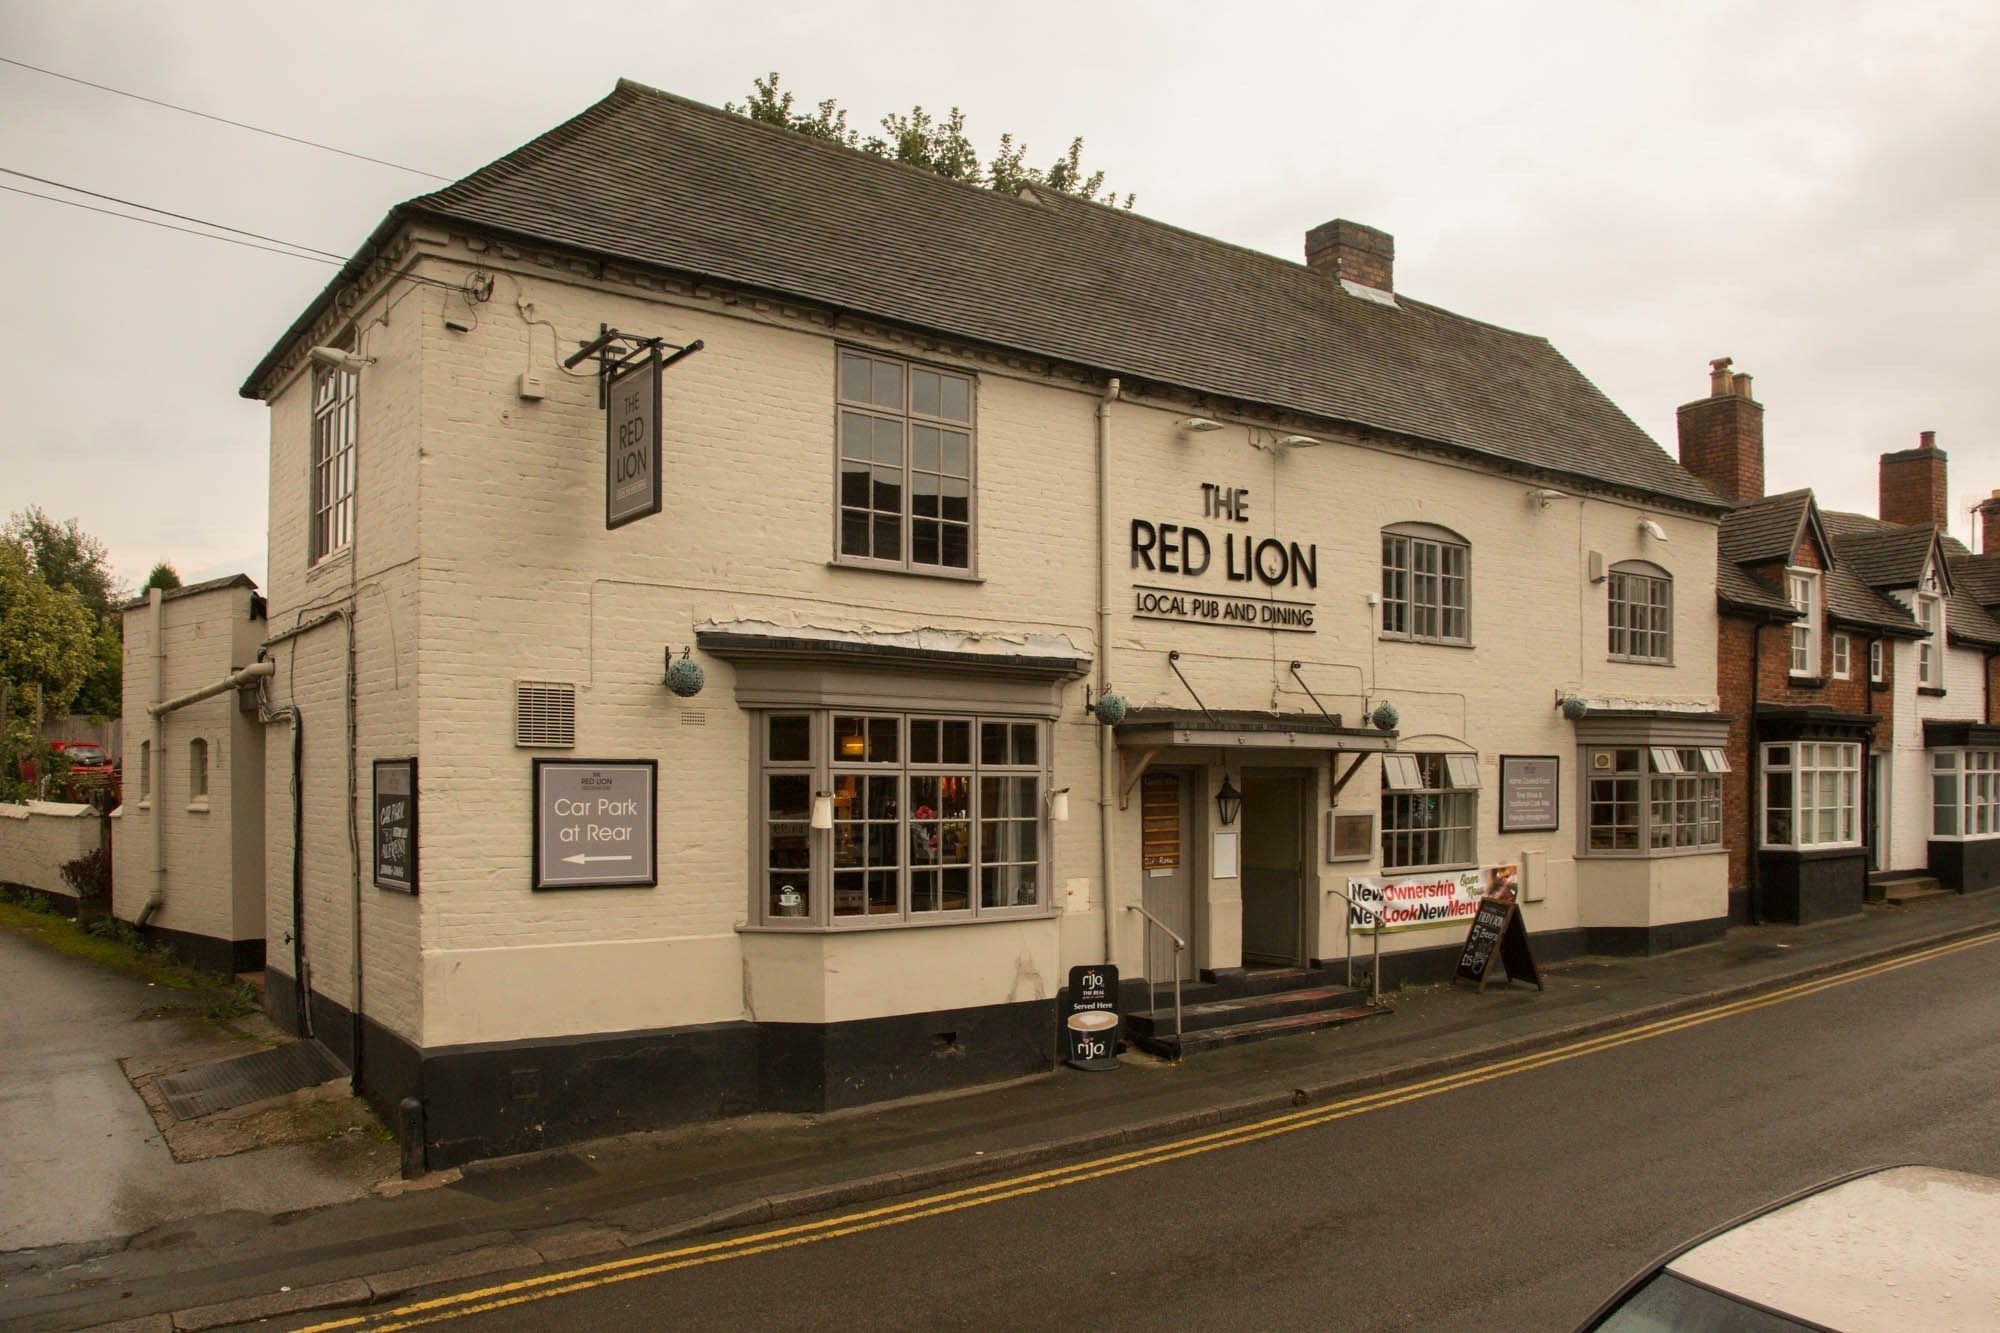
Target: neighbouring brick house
<point>1847,660</point>
<point>976,511</point>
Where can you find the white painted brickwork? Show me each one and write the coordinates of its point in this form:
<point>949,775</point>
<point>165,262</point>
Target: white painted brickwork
<point>482,559</point>
<point>39,838</point>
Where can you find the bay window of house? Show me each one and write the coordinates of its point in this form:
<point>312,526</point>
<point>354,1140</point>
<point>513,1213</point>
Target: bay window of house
<point>334,426</point>
<point>1426,584</point>
<point>1641,612</point>
<point>1647,799</point>
<point>1965,793</point>
<point>1812,794</point>
<point>1802,589</point>
<point>906,465</point>
<point>1430,807</point>
<point>1930,649</point>
<point>934,818</point>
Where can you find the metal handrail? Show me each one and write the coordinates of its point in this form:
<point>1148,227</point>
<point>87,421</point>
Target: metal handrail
<point>1180,946</point>
<point>1375,968</point>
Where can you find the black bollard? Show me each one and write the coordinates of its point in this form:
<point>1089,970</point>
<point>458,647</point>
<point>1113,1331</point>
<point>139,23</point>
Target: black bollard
<point>410,1112</point>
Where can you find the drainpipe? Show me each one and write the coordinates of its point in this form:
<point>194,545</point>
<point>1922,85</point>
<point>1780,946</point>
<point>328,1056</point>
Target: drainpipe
<point>1751,767</point>
<point>156,778</point>
<point>1107,745</point>
<point>235,680</point>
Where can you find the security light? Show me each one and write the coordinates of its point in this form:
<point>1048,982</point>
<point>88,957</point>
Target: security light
<point>1648,528</point>
<point>1198,425</point>
<point>336,359</point>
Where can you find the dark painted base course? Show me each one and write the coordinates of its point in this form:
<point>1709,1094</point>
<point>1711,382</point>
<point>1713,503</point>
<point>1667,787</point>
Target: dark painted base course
<point>509,1097</point>
<point>231,957</point>
<point>1799,888</point>
<point>1966,867</point>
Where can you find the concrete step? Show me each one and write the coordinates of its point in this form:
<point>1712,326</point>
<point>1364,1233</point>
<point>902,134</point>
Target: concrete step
<point>1914,891</point>
<point>1239,1009</point>
<point>1234,1034</point>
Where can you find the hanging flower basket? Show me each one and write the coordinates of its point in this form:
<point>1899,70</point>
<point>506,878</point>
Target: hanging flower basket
<point>1385,717</point>
<point>685,676</point>
<point>1111,709</point>
<point>1575,706</point>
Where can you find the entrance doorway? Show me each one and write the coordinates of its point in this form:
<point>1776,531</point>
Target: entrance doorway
<point>1274,865</point>
<point>1165,804</point>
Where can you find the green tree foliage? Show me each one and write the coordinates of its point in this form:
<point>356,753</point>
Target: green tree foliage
<point>103,692</point>
<point>65,556</point>
<point>163,577</point>
<point>47,637</point>
<point>940,146</point>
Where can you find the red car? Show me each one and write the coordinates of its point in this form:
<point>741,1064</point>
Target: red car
<point>90,769</point>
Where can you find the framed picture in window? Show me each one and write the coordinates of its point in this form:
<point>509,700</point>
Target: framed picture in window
<point>1530,788</point>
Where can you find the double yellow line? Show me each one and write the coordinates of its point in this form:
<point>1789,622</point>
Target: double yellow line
<point>896,1214</point>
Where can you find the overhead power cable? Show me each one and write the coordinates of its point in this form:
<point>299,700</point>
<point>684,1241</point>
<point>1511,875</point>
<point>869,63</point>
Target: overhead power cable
<point>223,120</point>
<point>314,256</point>
<point>163,212</point>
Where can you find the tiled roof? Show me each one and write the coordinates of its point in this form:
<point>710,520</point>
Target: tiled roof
<point>654,180</point>
<point>1976,575</point>
<point>1968,621</point>
<point>1764,529</point>
<point>1881,555</point>
<point>1849,601</point>
<point>1738,591</point>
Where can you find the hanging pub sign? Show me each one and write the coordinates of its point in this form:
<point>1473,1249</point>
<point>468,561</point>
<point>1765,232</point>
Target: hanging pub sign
<point>1091,1021</point>
<point>396,824</point>
<point>632,443</point>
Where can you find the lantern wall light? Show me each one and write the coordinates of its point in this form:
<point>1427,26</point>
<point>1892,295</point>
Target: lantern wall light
<point>1228,802</point>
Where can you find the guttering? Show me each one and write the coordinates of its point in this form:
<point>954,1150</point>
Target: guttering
<point>1107,742</point>
<point>156,770</point>
<point>235,680</point>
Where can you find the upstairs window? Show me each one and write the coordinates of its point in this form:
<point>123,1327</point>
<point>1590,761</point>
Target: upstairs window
<point>1843,655</point>
<point>1641,613</point>
<point>1876,672</point>
<point>1930,650</point>
<point>335,419</point>
<point>1426,585</point>
<point>1802,588</point>
<point>906,454</point>
<point>197,770</point>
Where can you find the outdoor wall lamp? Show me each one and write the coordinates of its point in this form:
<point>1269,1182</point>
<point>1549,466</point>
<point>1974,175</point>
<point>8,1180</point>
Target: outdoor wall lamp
<point>1198,425</point>
<point>822,816</point>
<point>1228,801</point>
<point>1298,442</point>
<point>1544,497</point>
<point>1648,528</point>
<point>1059,806</point>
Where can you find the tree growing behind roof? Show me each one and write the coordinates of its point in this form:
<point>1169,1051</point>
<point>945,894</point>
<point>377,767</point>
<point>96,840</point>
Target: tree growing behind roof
<point>164,577</point>
<point>921,140</point>
<point>47,643</point>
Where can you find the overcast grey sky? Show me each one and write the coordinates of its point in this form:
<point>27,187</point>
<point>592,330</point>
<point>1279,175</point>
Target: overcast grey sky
<point>1813,189</point>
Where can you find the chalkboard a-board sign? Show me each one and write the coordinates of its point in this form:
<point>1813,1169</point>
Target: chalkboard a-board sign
<point>1497,935</point>
<point>396,824</point>
<point>1090,1020</point>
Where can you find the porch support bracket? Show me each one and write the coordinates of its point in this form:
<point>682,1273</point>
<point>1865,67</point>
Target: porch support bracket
<point>1130,770</point>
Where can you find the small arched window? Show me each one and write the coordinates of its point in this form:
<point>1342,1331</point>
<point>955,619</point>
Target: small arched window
<point>197,769</point>
<point>1641,612</point>
<point>145,770</point>
<point>1426,584</point>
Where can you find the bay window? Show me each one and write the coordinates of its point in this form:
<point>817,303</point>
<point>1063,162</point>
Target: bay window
<point>1965,793</point>
<point>1653,798</point>
<point>1812,794</point>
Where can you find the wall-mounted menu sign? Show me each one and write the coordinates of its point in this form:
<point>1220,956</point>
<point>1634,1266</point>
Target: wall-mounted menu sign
<point>396,824</point>
<point>1528,787</point>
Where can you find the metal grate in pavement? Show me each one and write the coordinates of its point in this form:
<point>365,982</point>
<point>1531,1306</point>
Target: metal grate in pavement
<point>246,1079</point>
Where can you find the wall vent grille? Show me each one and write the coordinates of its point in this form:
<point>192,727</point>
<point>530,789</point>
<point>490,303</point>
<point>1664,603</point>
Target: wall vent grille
<point>544,714</point>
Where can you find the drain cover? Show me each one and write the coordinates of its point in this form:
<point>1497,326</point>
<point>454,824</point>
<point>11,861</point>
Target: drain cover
<point>246,1079</point>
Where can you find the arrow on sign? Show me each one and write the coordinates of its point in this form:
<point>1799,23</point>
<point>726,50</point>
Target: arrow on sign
<point>581,859</point>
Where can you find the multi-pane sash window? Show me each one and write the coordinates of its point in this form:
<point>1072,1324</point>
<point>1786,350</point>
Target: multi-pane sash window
<point>934,818</point>
<point>1965,793</point>
<point>1812,794</point>
<point>1430,804</point>
<point>1654,798</point>
<point>1843,657</point>
<point>905,464</point>
<point>1641,614</point>
<point>1930,650</point>
<point>1425,588</point>
<point>335,417</point>
<point>1802,588</point>
<point>1875,660</point>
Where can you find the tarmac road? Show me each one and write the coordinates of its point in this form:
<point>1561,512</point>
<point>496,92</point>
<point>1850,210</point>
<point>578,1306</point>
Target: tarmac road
<point>1511,1196</point>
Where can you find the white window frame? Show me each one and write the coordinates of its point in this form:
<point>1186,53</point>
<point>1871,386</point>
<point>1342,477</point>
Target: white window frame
<point>923,431</point>
<point>1843,655</point>
<point>1965,794</point>
<point>1930,654</point>
<point>1802,590</point>
<point>145,771</point>
<point>1876,662</point>
<point>1653,800</point>
<point>1426,585</point>
<point>826,770</point>
<point>1639,612</point>
<point>1441,810</point>
<point>336,421</point>
<point>198,772</point>
<point>1824,778</point>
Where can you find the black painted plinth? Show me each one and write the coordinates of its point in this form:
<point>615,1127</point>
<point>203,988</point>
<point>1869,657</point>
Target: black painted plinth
<point>1964,867</point>
<point>1799,888</point>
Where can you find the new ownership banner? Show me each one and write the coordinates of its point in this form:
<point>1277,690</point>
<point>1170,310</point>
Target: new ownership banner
<point>1414,901</point>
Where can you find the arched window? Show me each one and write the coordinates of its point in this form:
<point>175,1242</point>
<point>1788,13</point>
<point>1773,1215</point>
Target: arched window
<point>197,769</point>
<point>1641,612</point>
<point>1426,584</point>
<point>145,770</point>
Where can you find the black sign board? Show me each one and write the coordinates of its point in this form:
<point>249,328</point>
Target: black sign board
<point>396,824</point>
<point>1497,935</point>
<point>632,443</point>
<point>1090,1020</point>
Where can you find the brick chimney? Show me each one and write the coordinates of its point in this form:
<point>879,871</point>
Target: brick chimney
<point>1989,525</point>
<point>1912,486</point>
<point>1363,255</point>
<point>1722,435</point>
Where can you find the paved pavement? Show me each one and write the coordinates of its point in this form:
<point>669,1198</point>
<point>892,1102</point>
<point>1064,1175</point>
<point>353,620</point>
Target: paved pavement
<point>611,1195</point>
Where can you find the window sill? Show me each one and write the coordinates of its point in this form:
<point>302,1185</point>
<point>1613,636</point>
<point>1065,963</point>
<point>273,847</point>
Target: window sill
<point>1964,837</point>
<point>1405,872</point>
<point>333,560</point>
<point>1427,643</point>
<point>1806,682</point>
<point>867,567</point>
<point>864,926</point>
<point>1931,691</point>
<point>1640,661</point>
<point>1654,854</point>
<point>1813,849</point>
<point>143,803</point>
<point>197,807</point>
